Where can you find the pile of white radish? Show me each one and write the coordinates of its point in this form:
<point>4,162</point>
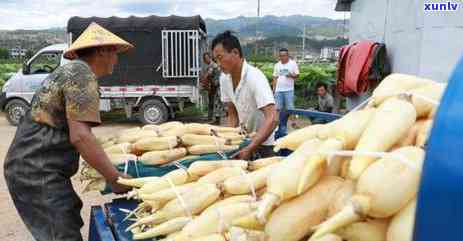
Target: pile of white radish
<point>354,179</point>
<point>162,144</point>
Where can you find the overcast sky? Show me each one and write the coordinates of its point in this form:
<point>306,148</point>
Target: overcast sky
<point>40,14</point>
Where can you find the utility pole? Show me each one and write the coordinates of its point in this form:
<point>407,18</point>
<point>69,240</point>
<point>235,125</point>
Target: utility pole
<point>257,32</point>
<point>303,44</point>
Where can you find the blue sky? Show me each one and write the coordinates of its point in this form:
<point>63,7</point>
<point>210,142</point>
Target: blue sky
<point>39,14</point>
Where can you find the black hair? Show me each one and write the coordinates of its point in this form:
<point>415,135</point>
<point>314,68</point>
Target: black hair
<point>284,50</point>
<point>228,41</point>
<point>206,54</point>
<point>86,52</point>
<point>321,84</point>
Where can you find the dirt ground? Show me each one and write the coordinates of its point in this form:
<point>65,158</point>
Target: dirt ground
<point>13,228</point>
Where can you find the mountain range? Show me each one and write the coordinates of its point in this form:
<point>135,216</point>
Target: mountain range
<point>274,26</point>
<point>247,28</point>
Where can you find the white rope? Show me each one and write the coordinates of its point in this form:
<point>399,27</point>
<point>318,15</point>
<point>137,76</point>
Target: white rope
<point>124,147</point>
<point>179,197</point>
<point>131,213</point>
<point>136,166</point>
<point>218,145</point>
<point>126,166</point>
<point>180,166</point>
<point>222,226</point>
<point>250,183</point>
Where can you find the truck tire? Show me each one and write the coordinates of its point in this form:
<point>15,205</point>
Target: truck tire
<point>153,111</point>
<point>15,109</point>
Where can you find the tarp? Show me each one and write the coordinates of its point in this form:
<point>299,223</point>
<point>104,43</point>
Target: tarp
<point>138,169</point>
<point>427,44</point>
<point>361,65</point>
<point>77,25</point>
<point>139,65</point>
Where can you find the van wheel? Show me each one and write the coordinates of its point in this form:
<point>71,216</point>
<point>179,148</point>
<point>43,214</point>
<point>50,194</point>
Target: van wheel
<point>15,110</point>
<point>153,111</point>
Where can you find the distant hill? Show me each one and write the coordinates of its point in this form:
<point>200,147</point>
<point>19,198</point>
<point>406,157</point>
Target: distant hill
<point>271,28</point>
<point>274,26</point>
<point>31,39</point>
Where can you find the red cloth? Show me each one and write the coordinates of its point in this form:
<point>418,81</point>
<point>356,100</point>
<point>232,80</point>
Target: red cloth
<point>354,66</point>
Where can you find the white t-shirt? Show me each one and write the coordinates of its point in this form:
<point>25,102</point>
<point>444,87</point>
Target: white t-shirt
<point>252,93</point>
<point>280,70</point>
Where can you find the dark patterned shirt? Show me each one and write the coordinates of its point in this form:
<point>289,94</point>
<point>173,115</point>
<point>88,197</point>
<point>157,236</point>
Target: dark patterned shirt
<point>70,92</point>
<point>214,71</point>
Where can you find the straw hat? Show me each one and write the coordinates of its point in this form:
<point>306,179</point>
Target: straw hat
<point>95,36</point>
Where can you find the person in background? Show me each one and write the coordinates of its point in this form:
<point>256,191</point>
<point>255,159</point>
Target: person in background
<point>325,99</point>
<point>246,91</point>
<point>212,84</point>
<point>285,73</point>
<point>204,86</point>
<point>52,136</point>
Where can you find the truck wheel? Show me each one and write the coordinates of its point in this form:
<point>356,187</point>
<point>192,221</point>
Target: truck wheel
<point>15,110</point>
<point>153,111</point>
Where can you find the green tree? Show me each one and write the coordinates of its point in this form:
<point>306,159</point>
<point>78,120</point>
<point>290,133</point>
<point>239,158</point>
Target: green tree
<point>4,53</point>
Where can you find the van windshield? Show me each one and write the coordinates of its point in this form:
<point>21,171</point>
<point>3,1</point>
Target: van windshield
<point>45,63</point>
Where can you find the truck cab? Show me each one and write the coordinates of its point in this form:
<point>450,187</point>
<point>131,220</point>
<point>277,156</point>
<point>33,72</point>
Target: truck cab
<point>18,91</point>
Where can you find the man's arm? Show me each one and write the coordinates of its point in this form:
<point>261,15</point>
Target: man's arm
<point>233,120</point>
<point>295,74</point>
<point>330,105</point>
<point>318,107</point>
<point>84,141</point>
<point>270,116</point>
<point>275,77</point>
<point>274,83</point>
<point>263,133</point>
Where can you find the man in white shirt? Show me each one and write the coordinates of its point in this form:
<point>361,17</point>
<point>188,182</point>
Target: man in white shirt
<point>285,73</point>
<point>248,95</point>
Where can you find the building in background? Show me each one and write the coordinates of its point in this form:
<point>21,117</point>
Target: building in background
<point>18,52</point>
<point>418,42</point>
<point>329,53</point>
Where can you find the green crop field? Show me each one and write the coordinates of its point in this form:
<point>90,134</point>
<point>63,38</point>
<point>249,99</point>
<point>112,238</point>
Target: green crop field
<point>305,91</point>
<point>310,75</point>
<point>6,70</point>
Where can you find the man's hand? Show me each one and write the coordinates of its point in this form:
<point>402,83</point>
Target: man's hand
<point>85,142</point>
<point>119,188</point>
<point>244,154</point>
<point>267,128</point>
<point>292,76</point>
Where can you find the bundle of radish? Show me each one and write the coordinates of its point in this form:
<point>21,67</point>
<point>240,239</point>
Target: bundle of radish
<point>339,183</point>
<point>376,193</point>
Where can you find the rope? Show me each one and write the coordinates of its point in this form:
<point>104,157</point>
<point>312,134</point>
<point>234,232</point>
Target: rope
<point>251,184</point>
<point>179,197</point>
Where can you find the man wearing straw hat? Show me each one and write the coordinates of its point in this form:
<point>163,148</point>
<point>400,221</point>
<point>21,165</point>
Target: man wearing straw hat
<point>44,154</point>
